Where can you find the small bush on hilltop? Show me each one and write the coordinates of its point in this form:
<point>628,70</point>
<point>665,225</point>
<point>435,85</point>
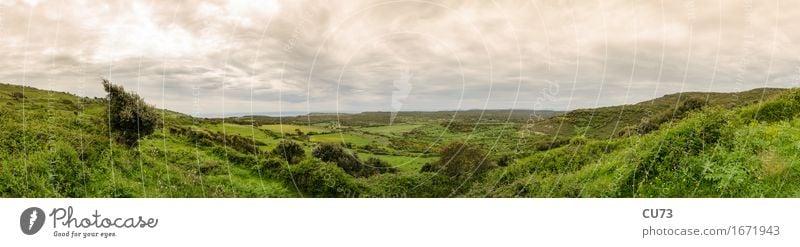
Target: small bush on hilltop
<point>128,114</point>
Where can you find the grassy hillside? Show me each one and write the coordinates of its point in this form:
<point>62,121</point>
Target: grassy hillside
<point>609,122</point>
<point>737,145</point>
<point>57,145</point>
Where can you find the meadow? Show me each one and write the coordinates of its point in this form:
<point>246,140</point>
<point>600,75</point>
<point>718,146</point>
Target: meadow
<point>745,144</point>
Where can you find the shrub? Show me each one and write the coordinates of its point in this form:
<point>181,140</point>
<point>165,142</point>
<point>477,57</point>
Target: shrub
<point>128,114</point>
<point>427,167</point>
<point>650,124</point>
<point>321,179</point>
<point>264,166</point>
<point>783,108</point>
<point>68,174</point>
<point>410,185</point>
<point>379,165</point>
<point>335,153</point>
<point>672,159</point>
<point>461,160</point>
<point>332,152</point>
<point>290,151</point>
<point>505,160</point>
<point>17,96</point>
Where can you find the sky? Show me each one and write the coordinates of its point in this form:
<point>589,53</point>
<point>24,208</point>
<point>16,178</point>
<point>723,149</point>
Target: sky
<point>232,57</point>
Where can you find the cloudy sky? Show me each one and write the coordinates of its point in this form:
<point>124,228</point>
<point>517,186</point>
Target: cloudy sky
<point>209,57</point>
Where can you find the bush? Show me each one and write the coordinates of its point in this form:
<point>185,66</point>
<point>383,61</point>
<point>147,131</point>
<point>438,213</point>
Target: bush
<point>335,153</point>
<point>290,151</point>
<point>505,160</point>
<point>320,179</point>
<point>17,96</point>
<point>650,124</point>
<point>128,114</point>
<point>265,166</point>
<point>66,173</point>
<point>783,108</point>
<point>380,166</point>
<point>410,185</point>
<point>672,159</point>
<point>461,160</point>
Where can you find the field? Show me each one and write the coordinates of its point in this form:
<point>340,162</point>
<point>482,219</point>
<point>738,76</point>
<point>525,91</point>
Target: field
<point>393,130</point>
<point>691,145</point>
<point>292,128</point>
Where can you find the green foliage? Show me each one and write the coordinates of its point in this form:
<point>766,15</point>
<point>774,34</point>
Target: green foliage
<point>18,96</point>
<point>649,124</point>
<point>673,159</point>
<point>725,149</point>
<point>461,160</point>
<point>322,179</point>
<point>290,151</point>
<point>782,108</point>
<point>350,163</point>
<point>505,160</point>
<point>129,115</point>
<point>380,165</point>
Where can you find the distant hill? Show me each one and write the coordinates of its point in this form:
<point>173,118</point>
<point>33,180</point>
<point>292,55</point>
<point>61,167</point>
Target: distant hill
<point>383,118</point>
<point>605,122</point>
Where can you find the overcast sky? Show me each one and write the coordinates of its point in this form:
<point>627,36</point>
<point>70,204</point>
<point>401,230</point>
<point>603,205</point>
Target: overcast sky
<point>208,57</point>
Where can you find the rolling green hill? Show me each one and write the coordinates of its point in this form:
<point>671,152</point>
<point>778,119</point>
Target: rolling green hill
<point>608,122</point>
<point>56,144</point>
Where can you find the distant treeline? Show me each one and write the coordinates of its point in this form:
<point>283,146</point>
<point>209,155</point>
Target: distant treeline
<point>382,118</point>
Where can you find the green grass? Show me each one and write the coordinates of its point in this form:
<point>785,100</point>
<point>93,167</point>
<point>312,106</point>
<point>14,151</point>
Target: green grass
<point>352,138</point>
<point>395,130</point>
<point>246,131</point>
<point>58,145</point>
<point>404,164</point>
<point>290,128</point>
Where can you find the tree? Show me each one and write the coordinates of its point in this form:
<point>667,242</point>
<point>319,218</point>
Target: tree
<point>128,115</point>
<point>290,151</point>
<point>461,160</point>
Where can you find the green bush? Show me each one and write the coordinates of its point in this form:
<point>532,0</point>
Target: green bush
<point>265,166</point>
<point>350,163</point>
<point>671,166</point>
<point>322,179</point>
<point>780,109</point>
<point>379,165</point>
<point>128,114</point>
<point>69,175</point>
<point>417,185</point>
<point>650,124</point>
<point>18,96</point>
<point>290,151</point>
<point>461,160</point>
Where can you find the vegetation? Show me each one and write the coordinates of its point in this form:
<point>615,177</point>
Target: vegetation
<point>690,145</point>
<point>290,151</point>
<point>128,114</point>
<point>462,160</point>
